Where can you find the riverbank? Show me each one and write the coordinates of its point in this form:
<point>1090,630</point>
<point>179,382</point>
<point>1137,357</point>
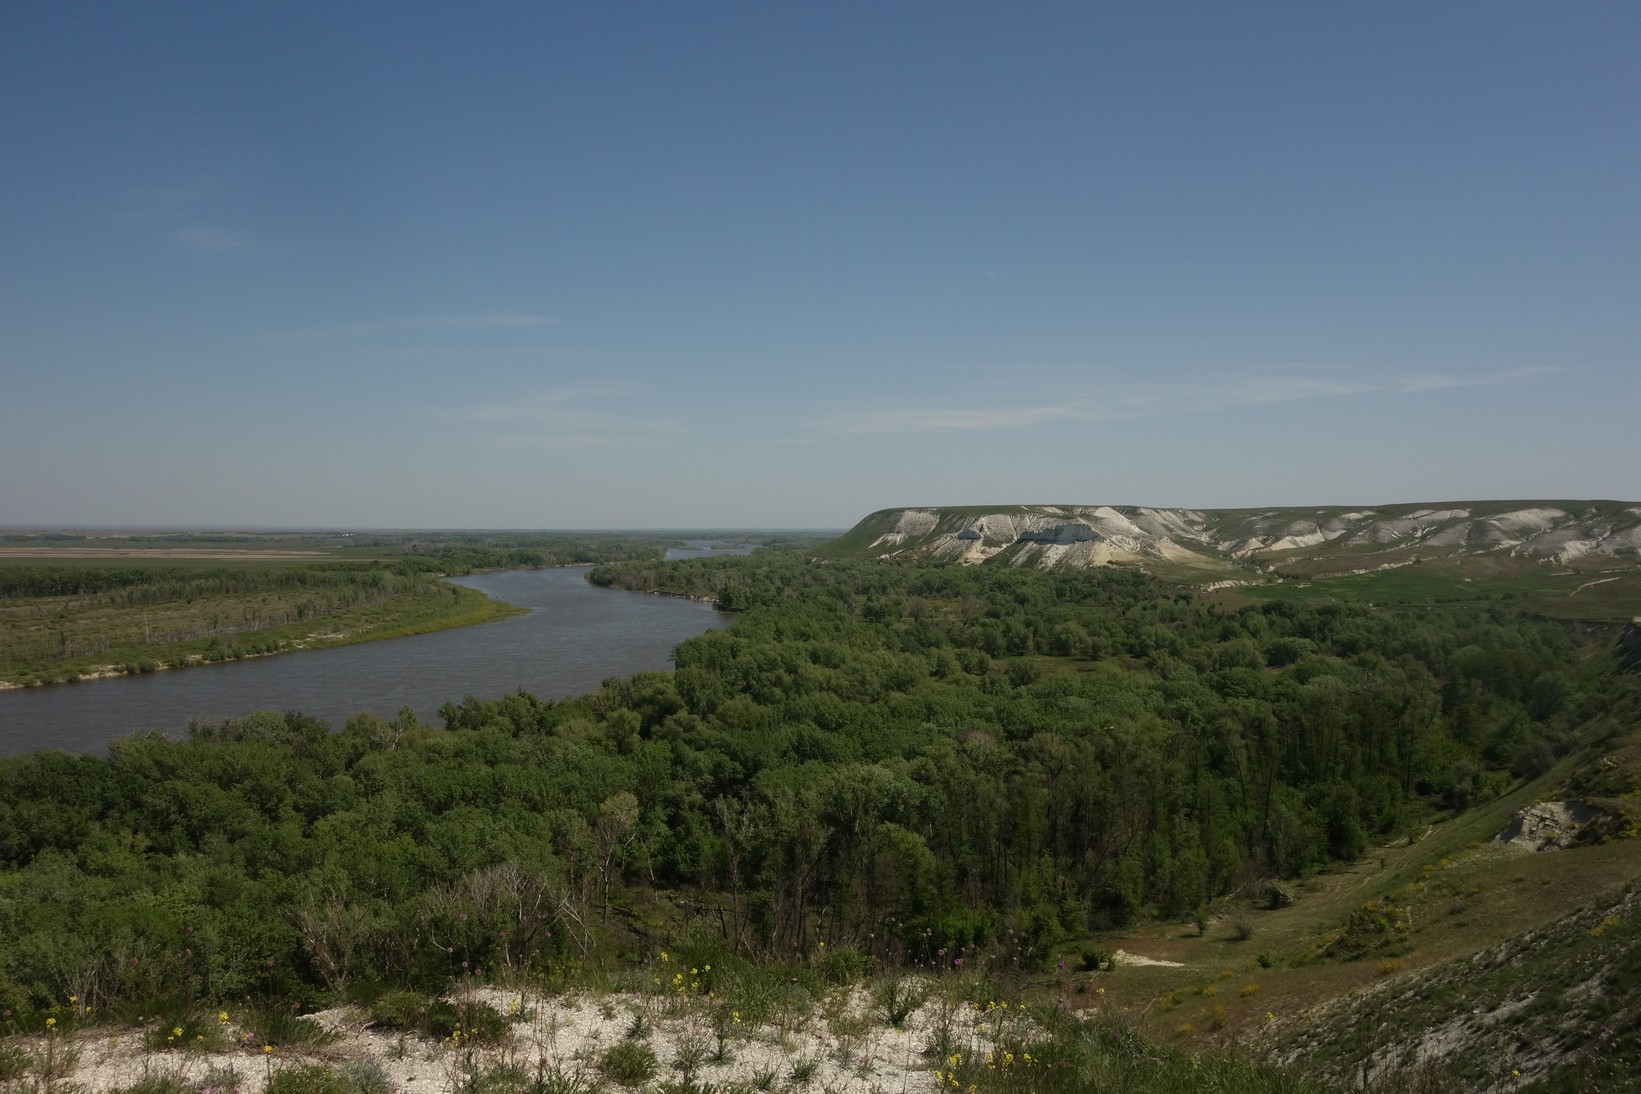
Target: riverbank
<point>570,637</point>
<point>393,607</point>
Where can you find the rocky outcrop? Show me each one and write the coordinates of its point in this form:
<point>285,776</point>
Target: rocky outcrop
<point>1062,536</point>
<point>1561,532</point>
<point>1547,826</point>
<point>1045,536</point>
<point>1629,647</point>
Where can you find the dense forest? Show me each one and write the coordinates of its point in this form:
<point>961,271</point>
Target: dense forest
<point>888,759</point>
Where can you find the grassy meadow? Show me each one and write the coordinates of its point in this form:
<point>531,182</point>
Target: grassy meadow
<point>149,617</point>
<point>75,606</point>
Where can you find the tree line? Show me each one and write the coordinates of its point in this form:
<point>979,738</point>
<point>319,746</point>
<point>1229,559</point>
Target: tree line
<point>898,758</point>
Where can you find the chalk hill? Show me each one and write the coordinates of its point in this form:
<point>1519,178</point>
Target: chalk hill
<point>1252,541</point>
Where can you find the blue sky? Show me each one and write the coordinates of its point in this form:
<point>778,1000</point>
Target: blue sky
<point>776,265</point>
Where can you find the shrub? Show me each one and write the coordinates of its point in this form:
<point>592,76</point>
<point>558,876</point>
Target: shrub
<point>439,1018</point>
<point>690,1056</point>
<point>499,1078</point>
<point>187,1031</point>
<point>404,1010</point>
<point>629,1063</point>
<point>281,1027</point>
<point>898,1000</point>
<point>686,1085</point>
<point>225,1077</point>
<point>13,1061</point>
<point>554,1079</point>
<point>1278,894</point>
<point>158,1084</point>
<point>367,1077</point>
<point>1022,672</point>
<point>478,1021</point>
<point>309,1079</point>
<point>845,965</point>
<point>1378,924</point>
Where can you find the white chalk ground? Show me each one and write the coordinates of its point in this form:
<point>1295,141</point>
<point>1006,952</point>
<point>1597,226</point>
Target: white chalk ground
<point>844,1043</point>
<point>1123,957</point>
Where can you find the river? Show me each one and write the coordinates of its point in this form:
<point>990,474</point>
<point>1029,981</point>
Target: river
<point>575,636</point>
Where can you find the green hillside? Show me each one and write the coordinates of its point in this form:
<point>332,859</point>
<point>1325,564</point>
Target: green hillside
<point>1568,559</point>
<point>1153,838</point>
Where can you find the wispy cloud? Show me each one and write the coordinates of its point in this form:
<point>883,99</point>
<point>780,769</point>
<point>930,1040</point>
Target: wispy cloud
<point>1252,391</point>
<point>922,419</point>
<point>474,321</point>
<point>1116,404</point>
<point>1416,385</point>
<point>572,419</point>
<point>207,238</point>
<point>185,199</point>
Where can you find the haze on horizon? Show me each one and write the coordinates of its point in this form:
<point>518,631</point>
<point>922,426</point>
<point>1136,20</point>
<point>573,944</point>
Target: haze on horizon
<point>745,265</point>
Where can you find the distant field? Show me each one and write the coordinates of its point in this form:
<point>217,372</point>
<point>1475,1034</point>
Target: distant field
<point>1594,596</point>
<point>74,606</point>
<point>18,550</point>
<point>168,554</point>
<point>68,622</point>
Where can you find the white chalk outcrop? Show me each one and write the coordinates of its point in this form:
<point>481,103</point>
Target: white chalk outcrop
<point>1064,536</point>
